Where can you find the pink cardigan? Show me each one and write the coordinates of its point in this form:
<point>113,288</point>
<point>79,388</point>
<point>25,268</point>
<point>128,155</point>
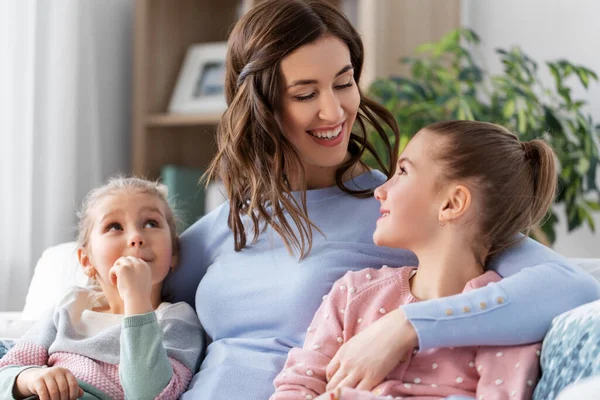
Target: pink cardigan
<point>359,299</point>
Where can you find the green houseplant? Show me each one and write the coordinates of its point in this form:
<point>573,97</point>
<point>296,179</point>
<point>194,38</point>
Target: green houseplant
<point>446,83</point>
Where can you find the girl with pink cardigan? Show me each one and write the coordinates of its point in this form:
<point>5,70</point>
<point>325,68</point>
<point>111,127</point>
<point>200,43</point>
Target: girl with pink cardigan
<point>462,193</point>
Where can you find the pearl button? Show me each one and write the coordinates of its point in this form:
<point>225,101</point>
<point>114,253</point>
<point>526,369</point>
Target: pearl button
<point>417,380</point>
<point>467,309</point>
<point>342,288</point>
<point>339,339</point>
<point>529,383</point>
<point>449,311</point>
<point>359,320</point>
<point>433,385</point>
<point>499,381</point>
<point>479,368</point>
<point>316,347</point>
<point>434,365</point>
<point>407,385</point>
<point>382,310</point>
<point>517,365</point>
<point>309,397</point>
<point>537,353</point>
<point>459,379</point>
<point>352,290</point>
<point>310,329</point>
<point>483,305</point>
<point>309,372</point>
<point>500,300</point>
<point>499,354</point>
<point>513,393</point>
<point>369,277</point>
<point>471,364</point>
<point>342,311</point>
<point>324,297</point>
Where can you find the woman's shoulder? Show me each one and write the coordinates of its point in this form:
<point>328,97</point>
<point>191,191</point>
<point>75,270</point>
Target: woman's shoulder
<point>215,220</point>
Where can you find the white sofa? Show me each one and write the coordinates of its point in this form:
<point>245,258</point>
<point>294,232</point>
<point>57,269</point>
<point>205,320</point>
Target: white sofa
<point>58,269</point>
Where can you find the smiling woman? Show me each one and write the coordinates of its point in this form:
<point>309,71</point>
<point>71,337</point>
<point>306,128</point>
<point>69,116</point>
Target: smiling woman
<point>318,110</point>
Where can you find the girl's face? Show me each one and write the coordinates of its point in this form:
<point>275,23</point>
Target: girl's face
<point>410,200</point>
<point>128,223</point>
<point>320,102</point>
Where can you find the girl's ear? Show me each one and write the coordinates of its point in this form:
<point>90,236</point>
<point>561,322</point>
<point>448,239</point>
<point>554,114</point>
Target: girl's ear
<point>456,204</point>
<point>85,262</point>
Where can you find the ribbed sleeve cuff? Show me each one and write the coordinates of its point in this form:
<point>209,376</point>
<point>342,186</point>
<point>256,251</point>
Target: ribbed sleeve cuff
<point>139,320</point>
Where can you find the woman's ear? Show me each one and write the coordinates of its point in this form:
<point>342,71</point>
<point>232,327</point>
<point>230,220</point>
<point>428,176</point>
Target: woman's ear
<point>456,204</point>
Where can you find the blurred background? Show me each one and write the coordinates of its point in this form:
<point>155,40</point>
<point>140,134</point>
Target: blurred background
<point>92,88</point>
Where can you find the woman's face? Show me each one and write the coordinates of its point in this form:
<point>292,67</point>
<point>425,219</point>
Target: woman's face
<point>319,104</point>
<point>410,200</point>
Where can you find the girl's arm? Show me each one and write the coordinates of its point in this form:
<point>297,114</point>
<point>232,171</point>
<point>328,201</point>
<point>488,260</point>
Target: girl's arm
<point>159,358</point>
<point>539,284</point>
<point>30,351</point>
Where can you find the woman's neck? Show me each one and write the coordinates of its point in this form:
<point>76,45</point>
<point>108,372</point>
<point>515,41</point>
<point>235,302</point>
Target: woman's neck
<point>445,267</point>
<point>323,177</point>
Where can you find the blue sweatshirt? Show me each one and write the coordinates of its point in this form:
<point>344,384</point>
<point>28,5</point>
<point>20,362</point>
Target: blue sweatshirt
<point>256,304</point>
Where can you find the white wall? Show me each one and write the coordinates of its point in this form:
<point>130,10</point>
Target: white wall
<point>545,30</point>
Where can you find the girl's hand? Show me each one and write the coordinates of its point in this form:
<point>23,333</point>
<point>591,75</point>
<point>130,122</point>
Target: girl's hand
<point>367,358</point>
<point>52,383</point>
<point>133,279</point>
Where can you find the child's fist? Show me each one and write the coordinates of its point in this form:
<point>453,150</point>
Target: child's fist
<point>52,383</point>
<point>132,277</point>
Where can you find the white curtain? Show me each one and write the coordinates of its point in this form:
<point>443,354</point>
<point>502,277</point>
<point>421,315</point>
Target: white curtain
<point>65,96</point>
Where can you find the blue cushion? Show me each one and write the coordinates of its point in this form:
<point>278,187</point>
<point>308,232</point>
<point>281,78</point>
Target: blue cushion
<point>571,350</point>
<point>5,345</point>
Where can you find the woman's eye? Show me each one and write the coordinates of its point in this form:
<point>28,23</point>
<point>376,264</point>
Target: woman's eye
<point>151,224</point>
<point>115,226</point>
<point>347,85</point>
<point>304,98</point>
<point>401,171</point>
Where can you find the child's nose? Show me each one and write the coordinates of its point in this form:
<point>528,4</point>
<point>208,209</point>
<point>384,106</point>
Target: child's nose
<point>136,240</point>
<point>380,193</point>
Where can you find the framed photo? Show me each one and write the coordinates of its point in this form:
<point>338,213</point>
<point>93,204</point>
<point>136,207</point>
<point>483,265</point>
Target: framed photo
<point>199,87</point>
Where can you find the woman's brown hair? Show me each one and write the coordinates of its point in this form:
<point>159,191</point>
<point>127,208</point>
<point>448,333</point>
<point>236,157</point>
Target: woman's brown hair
<point>253,153</point>
<point>515,181</point>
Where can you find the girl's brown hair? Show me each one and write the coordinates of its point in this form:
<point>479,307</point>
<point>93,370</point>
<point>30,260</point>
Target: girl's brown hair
<point>119,184</point>
<point>516,181</point>
<point>253,153</point>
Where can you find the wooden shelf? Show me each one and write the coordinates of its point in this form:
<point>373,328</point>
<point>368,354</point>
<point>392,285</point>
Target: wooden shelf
<point>166,120</point>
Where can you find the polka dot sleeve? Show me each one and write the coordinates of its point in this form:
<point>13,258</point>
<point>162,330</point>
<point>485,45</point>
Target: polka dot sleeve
<point>507,372</point>
<point>303,376</point>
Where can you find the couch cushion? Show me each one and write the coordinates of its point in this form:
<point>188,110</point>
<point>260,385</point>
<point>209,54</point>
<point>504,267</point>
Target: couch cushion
<point>55,273</point>
<point>570,351</point>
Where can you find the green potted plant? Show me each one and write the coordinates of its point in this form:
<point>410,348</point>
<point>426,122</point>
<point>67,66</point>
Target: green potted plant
<point>446,83</point>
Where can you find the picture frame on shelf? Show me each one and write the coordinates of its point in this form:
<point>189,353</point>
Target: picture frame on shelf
<point>201,80</point>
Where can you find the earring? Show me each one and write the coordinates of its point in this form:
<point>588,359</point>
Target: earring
<point>442,222</point>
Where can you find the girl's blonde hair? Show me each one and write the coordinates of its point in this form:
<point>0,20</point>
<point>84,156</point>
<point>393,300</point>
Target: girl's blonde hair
<point>119,184</point>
